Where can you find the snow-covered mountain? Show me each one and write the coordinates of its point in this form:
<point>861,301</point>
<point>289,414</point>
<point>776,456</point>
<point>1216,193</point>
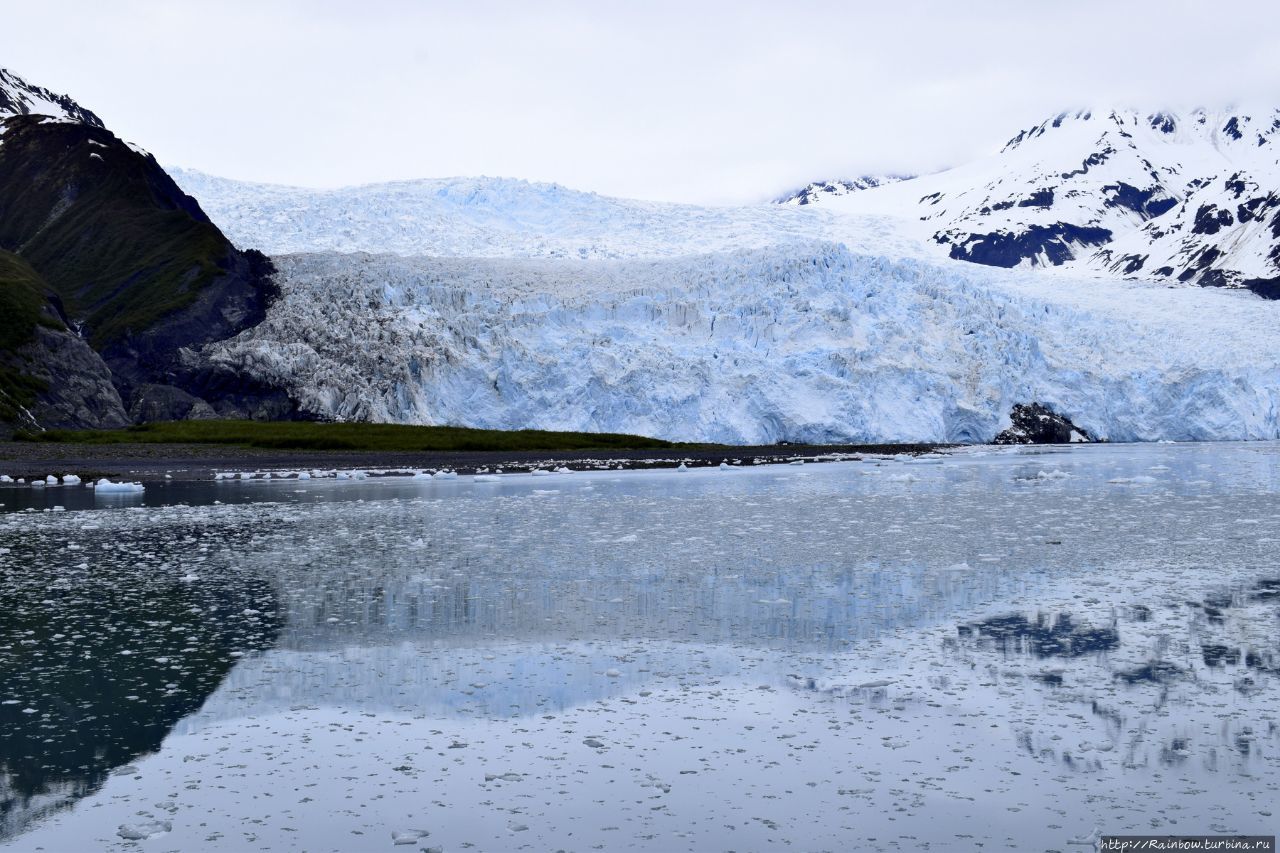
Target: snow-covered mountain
<point>817,190</point>
<point>1188,197</point>
<point>18,97</point>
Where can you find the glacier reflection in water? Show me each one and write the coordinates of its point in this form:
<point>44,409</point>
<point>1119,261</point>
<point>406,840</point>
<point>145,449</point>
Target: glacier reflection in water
<point>992,646</point>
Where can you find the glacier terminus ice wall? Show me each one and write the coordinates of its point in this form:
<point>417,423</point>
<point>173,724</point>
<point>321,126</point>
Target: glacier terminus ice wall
<point>808,343</point>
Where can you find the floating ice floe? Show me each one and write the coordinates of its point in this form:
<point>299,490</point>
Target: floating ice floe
<point>1140,480</point>
<point>1053,474</point>
<point>486,478</point>
<point>70,480</point>
<point>105,486</point>
<point>446,475</point>
<point>143,831</point>
<point>408,836</point>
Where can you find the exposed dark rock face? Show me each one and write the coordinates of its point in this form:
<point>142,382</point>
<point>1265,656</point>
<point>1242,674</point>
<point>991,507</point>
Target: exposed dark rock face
<point>1055,243</point>
<point>1035,423</point>
<point>1148,203</point>
<point>161,354</point>
<point>167,403</point>
<point>74,384</point>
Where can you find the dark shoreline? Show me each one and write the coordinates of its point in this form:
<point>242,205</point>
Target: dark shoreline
<point>23,459</point>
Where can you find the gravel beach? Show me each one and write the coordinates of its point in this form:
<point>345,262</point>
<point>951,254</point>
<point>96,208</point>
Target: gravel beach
<point>23,459</point>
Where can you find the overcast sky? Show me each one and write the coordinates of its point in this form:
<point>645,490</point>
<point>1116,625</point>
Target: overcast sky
<point>685,101</point>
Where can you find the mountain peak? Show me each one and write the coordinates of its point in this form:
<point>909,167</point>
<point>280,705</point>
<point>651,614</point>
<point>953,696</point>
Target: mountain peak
<point>18,97</point>
<point>1225,128</point>
<point>817,190</point>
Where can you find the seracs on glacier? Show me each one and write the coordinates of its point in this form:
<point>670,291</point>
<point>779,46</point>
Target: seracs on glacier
<point>802,341</point>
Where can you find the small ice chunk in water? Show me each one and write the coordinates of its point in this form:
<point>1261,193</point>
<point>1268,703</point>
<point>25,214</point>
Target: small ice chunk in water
<point>485,478</point>
<point>408,836</point>
<point>683,467</point>
<point>143,831</point>
<point>70,480</point>
<point>105,486</point>
<point>446,475</point>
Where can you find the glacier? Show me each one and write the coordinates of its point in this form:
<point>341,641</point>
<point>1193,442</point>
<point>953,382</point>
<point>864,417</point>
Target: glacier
<point>505,304</point>
<point>802,342</point>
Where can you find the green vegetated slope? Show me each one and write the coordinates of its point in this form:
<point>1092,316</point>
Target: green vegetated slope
<point>22,301</point>
<point>349,436</point>
<point>23,305</point>
<point>108,231</point>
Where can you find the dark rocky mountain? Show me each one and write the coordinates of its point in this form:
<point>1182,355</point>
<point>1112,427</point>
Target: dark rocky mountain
<point>116,278</point>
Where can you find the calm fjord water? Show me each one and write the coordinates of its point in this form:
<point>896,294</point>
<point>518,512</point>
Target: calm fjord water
<point>1018,648</point>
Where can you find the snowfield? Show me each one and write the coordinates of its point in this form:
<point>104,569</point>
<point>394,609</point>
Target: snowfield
<point>504,217</point>
<point>801,342</point>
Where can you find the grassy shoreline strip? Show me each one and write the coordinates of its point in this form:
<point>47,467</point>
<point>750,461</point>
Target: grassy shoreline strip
<point>307,435</point>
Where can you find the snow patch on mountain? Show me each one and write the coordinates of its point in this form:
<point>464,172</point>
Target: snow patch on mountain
<point>18,97</point>
<point>806,343</point>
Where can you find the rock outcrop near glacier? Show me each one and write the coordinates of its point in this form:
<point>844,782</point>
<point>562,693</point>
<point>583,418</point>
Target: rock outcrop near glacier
<point>1035,423</point>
